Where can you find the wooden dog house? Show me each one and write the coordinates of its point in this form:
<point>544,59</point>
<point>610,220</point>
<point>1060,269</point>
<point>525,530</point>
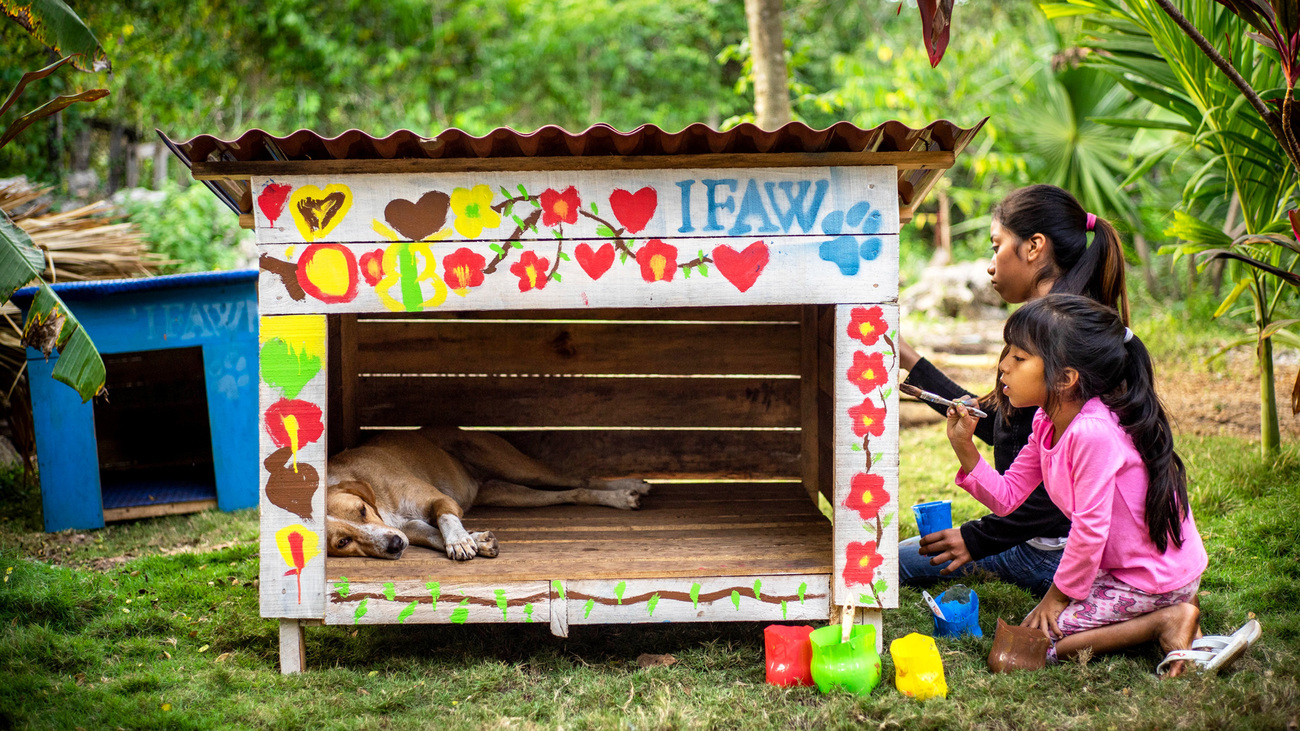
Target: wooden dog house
<point>713,310</point>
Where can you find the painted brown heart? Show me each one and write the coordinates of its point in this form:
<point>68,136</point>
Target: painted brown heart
<point>421,219</point>
<point>317,213</point>
<point>288,489</point>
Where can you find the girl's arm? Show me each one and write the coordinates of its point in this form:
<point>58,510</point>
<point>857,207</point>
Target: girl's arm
<point>1001,493</point>
<point>1096,455</point>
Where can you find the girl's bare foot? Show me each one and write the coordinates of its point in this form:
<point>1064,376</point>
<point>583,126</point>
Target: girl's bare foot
<point>1177,626</point>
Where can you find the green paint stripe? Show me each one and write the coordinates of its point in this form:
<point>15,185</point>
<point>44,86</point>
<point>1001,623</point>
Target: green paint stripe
<point>407,612</point>
<point>390,591</point>
<point>435,591</point>
<point>461,612</point>
<point>503,604</point>
<point>361,611</point>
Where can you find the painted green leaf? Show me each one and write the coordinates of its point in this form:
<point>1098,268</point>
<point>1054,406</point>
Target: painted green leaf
<point>695,595</point>
<point>505,193</point>
<point>528,612</point>
<point>360,611</point>
<point>803,587</point>
<point>287,370</point>
<point>343,587</point>
<point>389,590</point>
<point>518,221</point>
<point>517,244</point>
<point>407,612</point>
<point>856,447</point>
<point>686,271</point>
<point>653,601</point>
<point>619,588</point>
<point>594,209</point>
<point>522,190</point>
<point>877,457</point>
<point>866,600</point>
<point>556,233</point>
<point>461,613</point>
<point>757,585</point>
<point>886,519</point>
<point>435,591</point>
<point>880,585</point>
<point>502,603</point>
<point>887,392</point>
<point>558,588</point>
<point>622,258</point>
<point>704,270</point>
<point>604,231</point>
<point>784,606</point>
<point>496,249</point>
<point>735,599</point>
<point>591,603</point>
<point>565,257</point>
<point>556,276</point>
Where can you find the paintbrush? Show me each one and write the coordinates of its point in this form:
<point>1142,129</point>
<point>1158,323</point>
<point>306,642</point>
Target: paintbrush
<point>915,392</point>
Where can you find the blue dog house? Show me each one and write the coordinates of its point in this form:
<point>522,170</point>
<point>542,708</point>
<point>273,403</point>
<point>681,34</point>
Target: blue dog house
<point>177,431</point>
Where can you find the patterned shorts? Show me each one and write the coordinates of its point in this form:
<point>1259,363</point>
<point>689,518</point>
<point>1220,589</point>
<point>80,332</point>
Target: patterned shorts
<point>1112,601</point>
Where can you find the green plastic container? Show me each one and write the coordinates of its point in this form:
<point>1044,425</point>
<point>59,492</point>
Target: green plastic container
<point>853,665</point>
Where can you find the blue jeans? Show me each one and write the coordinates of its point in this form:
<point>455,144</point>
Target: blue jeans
<point>1022,565</point>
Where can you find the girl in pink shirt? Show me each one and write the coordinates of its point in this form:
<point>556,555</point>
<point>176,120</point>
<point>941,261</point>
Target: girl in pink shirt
<point>1102,446</point>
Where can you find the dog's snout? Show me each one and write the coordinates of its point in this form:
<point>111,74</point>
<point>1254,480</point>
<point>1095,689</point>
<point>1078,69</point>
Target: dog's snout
<point>395,544</point>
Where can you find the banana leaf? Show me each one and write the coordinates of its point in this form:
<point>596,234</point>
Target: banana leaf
<point>54,24</point>
<point>50,324</point>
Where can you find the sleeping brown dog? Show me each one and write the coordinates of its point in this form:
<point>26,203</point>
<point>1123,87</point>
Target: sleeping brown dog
<point>403,487</point>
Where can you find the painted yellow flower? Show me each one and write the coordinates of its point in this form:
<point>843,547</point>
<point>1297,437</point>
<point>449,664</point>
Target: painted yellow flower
<point>473,209</point>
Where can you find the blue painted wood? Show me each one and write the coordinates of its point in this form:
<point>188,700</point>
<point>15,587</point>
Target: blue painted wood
<point>230,372</point>
<point>65,445</point>
<point>217,312</point>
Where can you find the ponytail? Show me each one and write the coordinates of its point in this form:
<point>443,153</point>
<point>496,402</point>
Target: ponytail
<point>1072,331</point>
<point>1093,270</point>
<point>1143,416</point>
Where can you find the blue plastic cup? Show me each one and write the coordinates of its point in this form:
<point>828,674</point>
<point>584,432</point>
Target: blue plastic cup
<point>933,517</point>
<point>961,611</point>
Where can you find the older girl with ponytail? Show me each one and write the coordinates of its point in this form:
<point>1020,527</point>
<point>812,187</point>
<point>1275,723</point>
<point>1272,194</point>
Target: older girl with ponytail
<point>1102,446</point>
<point>1043,242</point>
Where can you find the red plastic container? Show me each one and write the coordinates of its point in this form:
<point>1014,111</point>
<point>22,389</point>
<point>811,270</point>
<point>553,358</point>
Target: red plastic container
<point>789,654</point>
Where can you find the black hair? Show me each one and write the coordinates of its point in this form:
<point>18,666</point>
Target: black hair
<point>1071,331</point>
<point>1096,270</point>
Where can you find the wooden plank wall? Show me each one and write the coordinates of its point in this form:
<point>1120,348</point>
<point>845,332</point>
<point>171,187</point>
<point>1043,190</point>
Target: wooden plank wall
<point>681,393</point>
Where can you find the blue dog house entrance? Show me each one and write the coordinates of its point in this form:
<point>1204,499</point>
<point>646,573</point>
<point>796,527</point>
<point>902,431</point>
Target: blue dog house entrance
<point>177,431</point>
<point>153,437</point>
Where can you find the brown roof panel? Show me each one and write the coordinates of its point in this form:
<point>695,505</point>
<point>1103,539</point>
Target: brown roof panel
<point>221,162</point>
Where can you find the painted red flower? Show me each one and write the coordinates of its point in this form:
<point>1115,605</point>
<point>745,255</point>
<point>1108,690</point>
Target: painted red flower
<point>658,261</point>
<point>868,419</point>
<point>559,207</point>
<point>463,269</point>
<point>867,495</point>
<point>372,266</point>
<point>867,324</point>
<point>860,564</point>
<point>531,270</point>
<point>868,371</point>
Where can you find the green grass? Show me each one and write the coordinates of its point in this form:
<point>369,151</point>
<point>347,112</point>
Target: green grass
<point>175,641</point>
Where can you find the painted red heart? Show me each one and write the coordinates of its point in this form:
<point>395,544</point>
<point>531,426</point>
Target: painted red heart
<point>594,263</point>
<point>634,210</point>
<point>741,268</point>
<point>271,200</point>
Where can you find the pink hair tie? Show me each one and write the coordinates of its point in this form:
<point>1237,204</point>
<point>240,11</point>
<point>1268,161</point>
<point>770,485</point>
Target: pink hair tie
<point>1092,221</point>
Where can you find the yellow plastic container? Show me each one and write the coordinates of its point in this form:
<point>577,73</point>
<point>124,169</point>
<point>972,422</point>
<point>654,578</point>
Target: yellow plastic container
<point>918,669</point>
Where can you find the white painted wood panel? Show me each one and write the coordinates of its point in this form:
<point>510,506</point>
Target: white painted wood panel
<point>292,426</point>
<point>434,602</point>
<point>416,277</point>
<point>711,599</point>
<point>643,204</point>
<point>866,455</point>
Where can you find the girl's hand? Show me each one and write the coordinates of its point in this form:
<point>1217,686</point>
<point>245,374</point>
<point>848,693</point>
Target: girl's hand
<point>961,429</point>
<point>946,545</point>
<point>1044,615</point>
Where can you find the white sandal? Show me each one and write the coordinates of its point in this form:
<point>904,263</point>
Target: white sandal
<point>1213,653</point>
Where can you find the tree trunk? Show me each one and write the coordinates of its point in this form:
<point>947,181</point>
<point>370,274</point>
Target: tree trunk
<point>1144,256</point>
<point>161,156</point>
<point>767,52</point>
<point>942,232</point>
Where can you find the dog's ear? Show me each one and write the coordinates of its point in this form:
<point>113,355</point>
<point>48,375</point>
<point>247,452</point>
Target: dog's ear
<point>360,489</point>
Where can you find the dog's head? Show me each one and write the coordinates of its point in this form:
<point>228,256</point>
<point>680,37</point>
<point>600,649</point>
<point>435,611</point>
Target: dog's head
<point>353,526</point>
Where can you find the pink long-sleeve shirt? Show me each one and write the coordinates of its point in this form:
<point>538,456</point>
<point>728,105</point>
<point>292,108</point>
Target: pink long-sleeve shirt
<point>1097,478</point>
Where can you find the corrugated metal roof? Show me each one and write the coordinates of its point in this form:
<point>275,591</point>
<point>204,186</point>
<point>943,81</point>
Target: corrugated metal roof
<point>220,161</point>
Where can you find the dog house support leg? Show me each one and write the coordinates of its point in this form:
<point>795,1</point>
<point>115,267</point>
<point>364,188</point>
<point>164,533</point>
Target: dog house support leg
<point>293,648</point>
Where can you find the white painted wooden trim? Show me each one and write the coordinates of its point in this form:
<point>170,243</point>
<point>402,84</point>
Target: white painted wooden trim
<point>433,602</point>
<point>559,609</point>
<point>712,599</point>
<point>647,204</point>
<point>866,458</point>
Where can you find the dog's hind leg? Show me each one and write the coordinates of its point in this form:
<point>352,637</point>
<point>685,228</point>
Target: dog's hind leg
<point>504,494</point>
<point>498,458</point>
<point>421,533</point>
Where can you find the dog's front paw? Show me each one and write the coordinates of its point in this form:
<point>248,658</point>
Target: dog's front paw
<point>462,549</point>
<point>487,544</point>
<point>623,499</point>
<point>640,487</point>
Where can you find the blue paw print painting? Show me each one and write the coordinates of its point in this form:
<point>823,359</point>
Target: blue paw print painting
<point>848,248</point>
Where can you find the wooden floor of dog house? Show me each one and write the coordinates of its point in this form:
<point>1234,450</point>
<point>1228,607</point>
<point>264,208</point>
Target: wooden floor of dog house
<point>681,531</point>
